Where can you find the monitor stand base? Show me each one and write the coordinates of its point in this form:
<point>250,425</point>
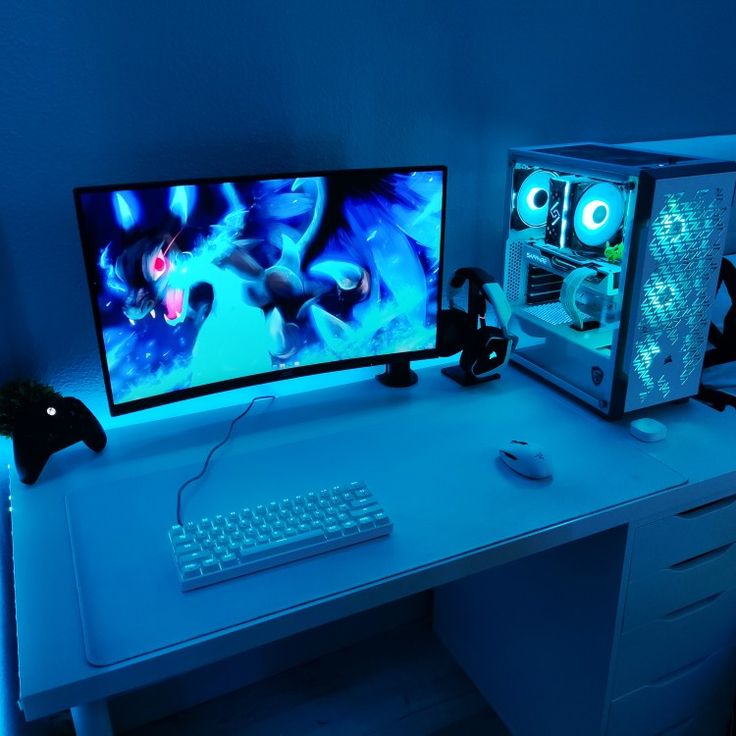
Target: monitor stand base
<point>398,374</point>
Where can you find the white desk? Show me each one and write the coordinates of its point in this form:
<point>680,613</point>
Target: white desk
<point>428,453</point>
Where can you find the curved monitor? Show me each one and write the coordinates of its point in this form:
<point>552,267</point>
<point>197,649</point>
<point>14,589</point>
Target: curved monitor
<point>206,285</point>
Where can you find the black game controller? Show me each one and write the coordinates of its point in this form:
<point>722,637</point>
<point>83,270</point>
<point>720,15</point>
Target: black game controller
<point>50,426</point>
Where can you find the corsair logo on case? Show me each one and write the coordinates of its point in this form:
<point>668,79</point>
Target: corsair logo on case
<point>597,375</point>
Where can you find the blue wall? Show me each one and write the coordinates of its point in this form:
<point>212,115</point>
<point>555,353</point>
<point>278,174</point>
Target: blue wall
<point>108,92</point>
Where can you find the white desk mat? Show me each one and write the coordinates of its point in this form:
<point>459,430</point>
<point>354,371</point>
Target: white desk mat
<point>129,596</point>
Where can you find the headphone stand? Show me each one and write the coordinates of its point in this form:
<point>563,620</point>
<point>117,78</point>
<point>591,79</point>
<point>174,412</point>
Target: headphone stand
<point>398,374</point>
<point>464,378</point>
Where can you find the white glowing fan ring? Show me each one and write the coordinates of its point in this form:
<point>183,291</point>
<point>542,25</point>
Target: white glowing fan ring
<point>529,212</point>
<point>592,216</point>
<point>599,214</point>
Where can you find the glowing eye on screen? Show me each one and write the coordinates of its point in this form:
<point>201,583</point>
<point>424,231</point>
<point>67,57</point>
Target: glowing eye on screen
<point>595,214</point>
<point>158,265</point>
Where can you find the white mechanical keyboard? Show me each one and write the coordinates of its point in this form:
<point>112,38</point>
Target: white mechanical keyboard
<point>242,542</point>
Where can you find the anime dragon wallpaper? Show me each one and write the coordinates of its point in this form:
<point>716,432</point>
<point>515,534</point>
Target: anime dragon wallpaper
<point>205,282</point>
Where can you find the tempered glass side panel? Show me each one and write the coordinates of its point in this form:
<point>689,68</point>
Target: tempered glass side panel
<point>569,241</point>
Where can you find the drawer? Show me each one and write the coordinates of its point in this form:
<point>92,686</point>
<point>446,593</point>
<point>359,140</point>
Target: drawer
<point>687,703</point>
<point>683,536</point>
<point>679,585</point>
<point>655,650</point>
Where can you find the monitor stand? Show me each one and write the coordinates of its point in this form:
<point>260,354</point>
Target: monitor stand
<point>398,374</point>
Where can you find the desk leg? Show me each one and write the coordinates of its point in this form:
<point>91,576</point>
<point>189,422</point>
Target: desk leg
<point>92,719</point>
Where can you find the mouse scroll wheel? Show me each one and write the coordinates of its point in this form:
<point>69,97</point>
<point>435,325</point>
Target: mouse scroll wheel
<point>508,454</point>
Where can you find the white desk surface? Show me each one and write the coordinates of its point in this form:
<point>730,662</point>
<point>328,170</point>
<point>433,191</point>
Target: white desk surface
<point>429,453</point>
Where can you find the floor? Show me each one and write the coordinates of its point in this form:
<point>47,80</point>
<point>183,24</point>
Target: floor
<point>401,683</point>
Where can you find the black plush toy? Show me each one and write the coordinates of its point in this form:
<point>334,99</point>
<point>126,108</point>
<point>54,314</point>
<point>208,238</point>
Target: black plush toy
<point>42,422</point>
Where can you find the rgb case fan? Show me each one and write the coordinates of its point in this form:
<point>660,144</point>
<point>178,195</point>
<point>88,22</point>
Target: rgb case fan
<point>612,256</point>
<point>531,198</point>
<point>597,213</point>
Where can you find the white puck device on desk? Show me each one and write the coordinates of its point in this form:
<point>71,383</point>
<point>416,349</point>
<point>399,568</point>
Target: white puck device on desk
<point>648,430</point>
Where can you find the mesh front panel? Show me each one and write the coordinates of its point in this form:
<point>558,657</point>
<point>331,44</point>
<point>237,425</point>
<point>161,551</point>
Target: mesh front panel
<point>678,281</point>
<point>512,273</point>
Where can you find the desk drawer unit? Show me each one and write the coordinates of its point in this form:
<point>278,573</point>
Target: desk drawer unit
<point>692,701</point>
<point>675,663</point>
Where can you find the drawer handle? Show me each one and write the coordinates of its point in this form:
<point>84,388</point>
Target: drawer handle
<point>702,558</point>
<point>706,508</point>
<point>685,610</point>
<point>672,676</point>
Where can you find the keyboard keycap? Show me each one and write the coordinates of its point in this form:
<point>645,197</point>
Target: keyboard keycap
<point>229,560</point>
<point>192,557</point>
<point>211,565</point>
<point>187,547</point>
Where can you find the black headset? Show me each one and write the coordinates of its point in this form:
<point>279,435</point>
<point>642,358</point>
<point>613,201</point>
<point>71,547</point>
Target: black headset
<point>485,348</point>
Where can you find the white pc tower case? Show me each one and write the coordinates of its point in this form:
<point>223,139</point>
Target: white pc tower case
<point>611,267</point>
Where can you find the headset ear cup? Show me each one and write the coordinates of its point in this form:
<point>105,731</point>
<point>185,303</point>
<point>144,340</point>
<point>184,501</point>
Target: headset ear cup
<point>487,351</point>
<point>452,326</point>
<point>472,350</point>
<point>496,351</point>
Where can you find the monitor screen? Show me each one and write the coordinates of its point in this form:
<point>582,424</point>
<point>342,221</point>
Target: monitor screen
<point>205,285</point>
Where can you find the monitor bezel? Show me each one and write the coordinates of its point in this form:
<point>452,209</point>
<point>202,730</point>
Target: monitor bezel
<point>149,402</point>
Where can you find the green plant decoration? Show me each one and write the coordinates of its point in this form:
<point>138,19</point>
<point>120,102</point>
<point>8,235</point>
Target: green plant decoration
<point>16,397</point>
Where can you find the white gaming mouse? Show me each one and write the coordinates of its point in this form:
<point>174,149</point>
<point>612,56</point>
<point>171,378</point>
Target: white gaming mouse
<point>527,459</point>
